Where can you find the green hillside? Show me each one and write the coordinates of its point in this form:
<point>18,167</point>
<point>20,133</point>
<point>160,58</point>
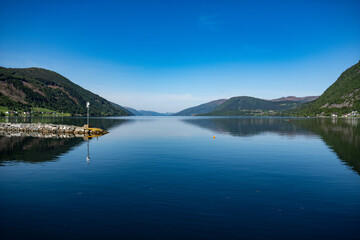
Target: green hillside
<point>203,108</point>
<point>250,106</point>
<point>340,98</point>
<point>28,88</point>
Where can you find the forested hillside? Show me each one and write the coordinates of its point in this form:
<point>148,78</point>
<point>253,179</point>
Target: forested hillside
<point>28,88</point>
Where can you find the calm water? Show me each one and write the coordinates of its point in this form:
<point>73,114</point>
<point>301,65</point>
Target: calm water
<point>167,178</point>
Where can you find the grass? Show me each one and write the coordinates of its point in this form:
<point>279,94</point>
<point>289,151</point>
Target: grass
<point>49,112</point>
<point>45,112</point>
<point>38,109</point>
<point>3,109</point>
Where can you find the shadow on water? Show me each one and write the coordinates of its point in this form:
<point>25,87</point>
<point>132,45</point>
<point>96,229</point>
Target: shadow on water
<point>341,135</point>
<point>42,148</point>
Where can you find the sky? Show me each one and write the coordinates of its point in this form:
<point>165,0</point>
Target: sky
<point>169,55</point>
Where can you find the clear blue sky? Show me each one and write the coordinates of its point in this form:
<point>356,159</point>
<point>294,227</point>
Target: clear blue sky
<point>169,55</point>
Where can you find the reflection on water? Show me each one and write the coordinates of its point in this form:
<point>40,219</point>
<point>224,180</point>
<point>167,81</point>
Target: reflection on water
<point>248,126</point>
<point>167,178</point>
<point>88,151</point>
<point>35,150</point>
<point>341,135</point>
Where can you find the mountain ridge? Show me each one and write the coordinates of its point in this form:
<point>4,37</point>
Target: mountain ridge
<point>200,109</point>
<point>27,88</point>
<point>295,99</point>
<point>250,106</point>
<point>146,112</point>
<point>340,98</point>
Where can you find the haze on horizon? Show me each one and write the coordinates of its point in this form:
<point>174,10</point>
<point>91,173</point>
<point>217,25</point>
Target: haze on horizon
<point>170,55</point>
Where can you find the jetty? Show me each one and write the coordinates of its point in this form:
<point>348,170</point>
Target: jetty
<point>50,129</point>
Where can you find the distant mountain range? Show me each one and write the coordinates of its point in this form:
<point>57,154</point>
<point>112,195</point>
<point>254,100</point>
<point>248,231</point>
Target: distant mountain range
<point>146,113</point>
<point>245,106</point>
<point>203,108</point>
<point>29,88</point>
<point>250,106</point>
<point>295,99</point>
<point>342,97</point>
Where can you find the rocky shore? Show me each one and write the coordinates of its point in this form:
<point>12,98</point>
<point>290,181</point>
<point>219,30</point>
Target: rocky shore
<point>41,135</point>
<point>50,129</point>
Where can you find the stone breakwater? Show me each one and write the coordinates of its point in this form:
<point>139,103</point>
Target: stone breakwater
<point>41,135</point>
<point>48,128</point>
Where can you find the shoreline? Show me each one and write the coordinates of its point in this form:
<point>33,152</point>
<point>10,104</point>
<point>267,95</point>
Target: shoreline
<point>49,128</point>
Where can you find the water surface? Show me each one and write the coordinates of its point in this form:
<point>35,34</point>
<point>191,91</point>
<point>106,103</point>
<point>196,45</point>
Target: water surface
<point>167,178</point>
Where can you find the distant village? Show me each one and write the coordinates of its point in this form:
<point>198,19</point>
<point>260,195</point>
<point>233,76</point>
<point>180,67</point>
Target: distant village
<point>347,115</point>
<point>33,113</point>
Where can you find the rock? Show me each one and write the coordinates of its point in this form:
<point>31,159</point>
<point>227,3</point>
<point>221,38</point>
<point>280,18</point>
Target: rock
<point>48,130</point>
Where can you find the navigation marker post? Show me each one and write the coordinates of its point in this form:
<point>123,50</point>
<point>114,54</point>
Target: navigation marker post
<point>88,108</point>
<point>88,115</point>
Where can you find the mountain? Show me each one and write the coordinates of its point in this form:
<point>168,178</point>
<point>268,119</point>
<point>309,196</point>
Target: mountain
<point>342,97</point>
<point>146,113</point>
<point>250,106</point>
<point>133,111</point>
<point>127,110</point>
<point>296,99</point>
<point>28,88</point>
<point>200,109</point>
<point>152,113</point>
